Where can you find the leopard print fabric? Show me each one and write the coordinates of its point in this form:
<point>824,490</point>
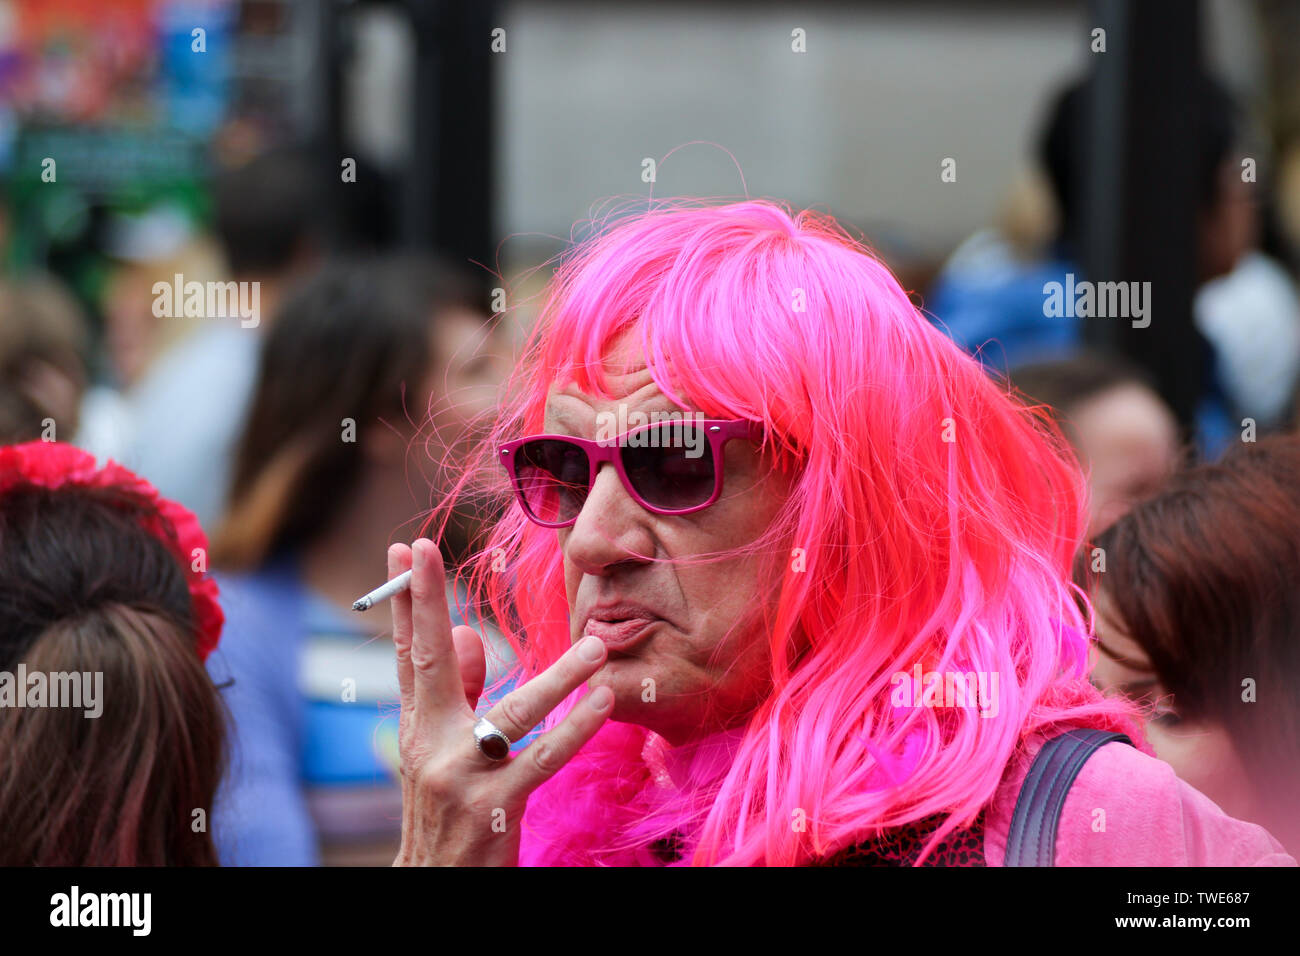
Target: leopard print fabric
<point>901,847</point>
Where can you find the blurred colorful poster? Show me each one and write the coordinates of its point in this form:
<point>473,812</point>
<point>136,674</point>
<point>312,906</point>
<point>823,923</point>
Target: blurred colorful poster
<point>117,62</point>
<point>113,102</point>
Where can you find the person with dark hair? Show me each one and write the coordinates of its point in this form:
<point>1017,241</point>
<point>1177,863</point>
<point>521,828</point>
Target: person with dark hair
<point>1197,609</point>
<point>1062,151</point>
<point>992,300</point>
<point>110,727</point>
<point>1125,435</point>
<point>366,361</point>
<point>268,215</point>
<point>977,303</point>
<point>190,408</point>
<point>1247,307</point>
<point>43,375</point>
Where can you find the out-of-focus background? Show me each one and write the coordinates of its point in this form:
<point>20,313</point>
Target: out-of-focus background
<point>488,129</point>
<point>229,228</point>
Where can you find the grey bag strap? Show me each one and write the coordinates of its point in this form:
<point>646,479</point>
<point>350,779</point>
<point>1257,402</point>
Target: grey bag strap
<point>1031,841</point>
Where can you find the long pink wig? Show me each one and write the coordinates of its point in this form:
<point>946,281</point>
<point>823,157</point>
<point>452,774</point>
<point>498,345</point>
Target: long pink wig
<point>937,517</point>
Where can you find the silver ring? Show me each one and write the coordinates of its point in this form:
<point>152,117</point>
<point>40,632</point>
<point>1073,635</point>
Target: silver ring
<point>490,740</point>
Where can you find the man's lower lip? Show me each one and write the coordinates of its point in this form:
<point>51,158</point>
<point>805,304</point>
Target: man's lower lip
<point>620,635</point>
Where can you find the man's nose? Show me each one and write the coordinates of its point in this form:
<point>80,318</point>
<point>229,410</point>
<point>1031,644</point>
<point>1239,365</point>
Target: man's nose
<point>611,527</point>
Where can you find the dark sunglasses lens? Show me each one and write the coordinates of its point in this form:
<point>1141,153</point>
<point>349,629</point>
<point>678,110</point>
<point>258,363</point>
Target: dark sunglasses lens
<point>552,479</point>
<point>671,465</point>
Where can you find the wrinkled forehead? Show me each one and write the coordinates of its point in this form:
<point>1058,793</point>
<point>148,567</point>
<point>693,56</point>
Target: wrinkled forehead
<point>623,378</point>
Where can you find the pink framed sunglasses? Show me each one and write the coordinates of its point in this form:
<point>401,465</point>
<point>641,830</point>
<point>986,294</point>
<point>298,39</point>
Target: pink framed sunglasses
<point>669,468</point>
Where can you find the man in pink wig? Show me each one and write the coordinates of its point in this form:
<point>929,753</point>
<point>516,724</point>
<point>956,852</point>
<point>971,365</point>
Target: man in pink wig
<point>820,601</point>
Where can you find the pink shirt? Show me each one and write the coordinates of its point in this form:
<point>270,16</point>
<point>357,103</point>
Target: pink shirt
<point>1128,809</point>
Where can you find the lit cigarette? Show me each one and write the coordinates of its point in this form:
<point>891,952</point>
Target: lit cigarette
<point>383,592</point>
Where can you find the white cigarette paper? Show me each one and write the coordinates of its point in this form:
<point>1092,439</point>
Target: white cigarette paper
<point>383,592</point>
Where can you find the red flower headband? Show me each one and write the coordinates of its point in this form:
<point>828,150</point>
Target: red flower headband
<point>55,464</point>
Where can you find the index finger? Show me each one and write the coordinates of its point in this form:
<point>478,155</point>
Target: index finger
<point>399,562</point>
<point>434,664</point>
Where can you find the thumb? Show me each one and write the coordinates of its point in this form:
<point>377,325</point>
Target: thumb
<point>473,665</point>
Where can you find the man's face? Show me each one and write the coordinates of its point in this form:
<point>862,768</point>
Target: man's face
<point>699,662</point>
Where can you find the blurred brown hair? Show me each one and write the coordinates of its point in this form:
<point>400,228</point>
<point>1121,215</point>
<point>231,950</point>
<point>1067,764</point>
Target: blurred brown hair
<point>84,588</point>
<point>348,343</point>
<point>1205,577</point>
<point>43,338</point>
<point>1065,384</point>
